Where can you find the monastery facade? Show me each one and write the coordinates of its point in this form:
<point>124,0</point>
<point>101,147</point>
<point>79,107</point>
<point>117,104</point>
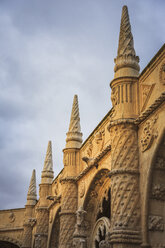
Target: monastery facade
<point>111,191</point>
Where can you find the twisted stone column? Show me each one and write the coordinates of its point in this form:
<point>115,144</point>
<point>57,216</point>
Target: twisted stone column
<point>68,212</point>
<point>125,206</point>
<point>41,235</point>
<point>27,235</point>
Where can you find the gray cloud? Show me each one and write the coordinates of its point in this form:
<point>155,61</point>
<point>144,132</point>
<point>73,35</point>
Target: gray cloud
<point>49,51</point>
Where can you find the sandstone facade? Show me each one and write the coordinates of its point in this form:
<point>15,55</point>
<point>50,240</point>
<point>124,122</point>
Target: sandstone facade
<point>111,191</point>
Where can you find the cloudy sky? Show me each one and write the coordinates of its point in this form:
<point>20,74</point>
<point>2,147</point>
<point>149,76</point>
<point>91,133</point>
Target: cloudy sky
<point>49,51</point>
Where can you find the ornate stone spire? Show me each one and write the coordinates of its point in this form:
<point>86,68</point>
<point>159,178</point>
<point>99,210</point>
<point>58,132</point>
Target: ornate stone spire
<point>47,173</point>
<point>32,195</point>
<point>126,56</point>
<point>74,135</point>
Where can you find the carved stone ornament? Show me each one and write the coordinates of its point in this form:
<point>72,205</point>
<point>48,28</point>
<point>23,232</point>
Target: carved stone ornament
<point>82,188</point>
<point>89,149</point>
<point>160,163</point>
<point>32,221</point>
<point>11,217</point>
<point>158,192</point>
<point>101,233</point>
<point>155,223</point>
<point>162,74</point>
<point>99,139</point>
<point>146,91</point>
<point>149,133</point>
<point>114,96</point>
<point>79,236</point>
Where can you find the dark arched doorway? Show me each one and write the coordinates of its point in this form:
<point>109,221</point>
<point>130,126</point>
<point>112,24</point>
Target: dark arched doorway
<point>5,244</point>
<point>98,207</point>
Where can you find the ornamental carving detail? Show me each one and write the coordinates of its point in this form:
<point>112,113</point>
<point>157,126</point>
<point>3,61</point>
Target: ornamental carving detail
<point>79,236</point>
<point>99,139</point>
<point>114,96</point>
<point>155,223</point>
<point>89,149</point>
<point>11,217</point>
<point>160,163</point>
<point>32,222</point>
<point>101,234</point>
<point>149,133</point>
<point>146,93</point>
<point>158,192</point>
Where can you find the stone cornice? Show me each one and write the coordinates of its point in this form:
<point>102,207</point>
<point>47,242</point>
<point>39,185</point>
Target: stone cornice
<point>11,229</point>
<point>94,162</point>
<point>121,121</point>
<point>68,179</point>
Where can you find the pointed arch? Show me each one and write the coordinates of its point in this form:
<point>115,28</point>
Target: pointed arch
<point>8,242</point>
<point>97,202</point>
<point>54,233</point>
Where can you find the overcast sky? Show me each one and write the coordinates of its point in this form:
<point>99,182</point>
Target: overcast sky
<point>49,51</point>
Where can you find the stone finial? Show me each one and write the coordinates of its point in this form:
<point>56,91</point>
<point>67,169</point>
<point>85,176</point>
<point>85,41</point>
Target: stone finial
<point>126,56</point>
<point>47,173</point>
<point>74,135</point>
<point>32,195</point>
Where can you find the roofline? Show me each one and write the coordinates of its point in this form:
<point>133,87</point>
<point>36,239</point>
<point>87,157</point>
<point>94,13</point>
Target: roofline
<point>152,60</point>
<point>96,128</point>
<point>11,209</point>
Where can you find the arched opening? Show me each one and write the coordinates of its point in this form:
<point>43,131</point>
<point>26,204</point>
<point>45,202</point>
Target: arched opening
<point>156,202</point>
<point>5,244</point>
<point>105,211</point>
<point>54,240</point>
<point>98,207</point>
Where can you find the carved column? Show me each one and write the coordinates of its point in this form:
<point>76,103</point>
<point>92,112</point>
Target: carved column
<point>68,212</point>
<point>42,227</point>
<point>28,227</point>
<point>42,215</point>
<point>125,195</point>
<point>68,182</point>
